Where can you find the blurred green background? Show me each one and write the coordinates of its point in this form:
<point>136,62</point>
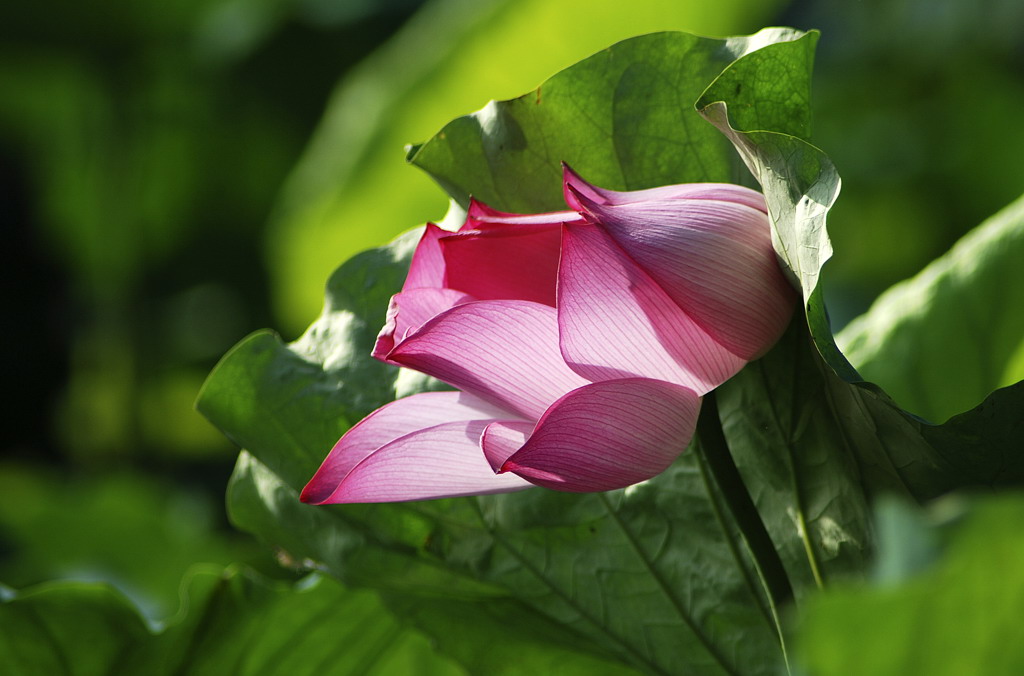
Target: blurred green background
<point>176,175</point>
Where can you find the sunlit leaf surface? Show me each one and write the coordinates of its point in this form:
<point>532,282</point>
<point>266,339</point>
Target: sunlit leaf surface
<point>942,341</point>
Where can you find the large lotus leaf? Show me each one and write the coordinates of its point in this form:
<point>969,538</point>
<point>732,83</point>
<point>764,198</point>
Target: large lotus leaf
<point>602,574</point>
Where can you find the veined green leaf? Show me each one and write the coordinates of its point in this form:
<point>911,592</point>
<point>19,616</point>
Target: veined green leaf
<point>623,118</point>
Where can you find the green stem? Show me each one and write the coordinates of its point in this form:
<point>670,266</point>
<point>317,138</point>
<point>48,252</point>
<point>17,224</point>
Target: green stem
<point>734,492</point>
<point>812,558</point>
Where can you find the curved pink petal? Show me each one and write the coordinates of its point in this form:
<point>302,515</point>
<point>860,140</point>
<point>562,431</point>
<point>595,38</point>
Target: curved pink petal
<point>502,438</point>
<point>714,259</point>
<point>505,352</point>
<point>616,322</point>
<point>410,310</point>
<point>482,217</point>
<point>573,183</point>
<point>518,263</point>
<point>443,461</point>
<point>608,435</point>
<point>388,423</point>
<point>427,267</point>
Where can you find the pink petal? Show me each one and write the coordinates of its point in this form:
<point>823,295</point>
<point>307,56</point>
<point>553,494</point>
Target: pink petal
<point>482,217</point>
<point>714,259</point>
<point>409,310</point>
<point>427,267</point>
<point>608,435</point>
<point>507,262</point>
<point>388,423</point>
<point>727,192</point>
<point>616,322</point>
<point>443,461</point>
<point>502,438</point>
<point>505,352</point>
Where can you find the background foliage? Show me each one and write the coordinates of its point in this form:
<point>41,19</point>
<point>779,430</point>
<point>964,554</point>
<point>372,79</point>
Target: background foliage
<point>148,160</point>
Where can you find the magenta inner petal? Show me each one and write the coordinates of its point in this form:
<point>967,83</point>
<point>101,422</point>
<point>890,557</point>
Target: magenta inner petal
<point>427,267</point>
<point>517,263</point>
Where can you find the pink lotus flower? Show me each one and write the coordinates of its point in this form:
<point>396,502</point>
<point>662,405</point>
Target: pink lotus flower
<point>580,343</point>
